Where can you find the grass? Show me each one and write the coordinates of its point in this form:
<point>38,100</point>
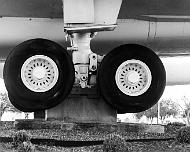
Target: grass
<point>153,146</point>
<point>7,147</point>
<point>161,146</point>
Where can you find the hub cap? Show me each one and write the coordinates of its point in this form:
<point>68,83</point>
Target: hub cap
<point>133,77</point>
<point>39,73</point>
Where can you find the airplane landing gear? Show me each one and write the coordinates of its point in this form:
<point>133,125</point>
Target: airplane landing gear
<point>131,78</point>
<point>38,74</point>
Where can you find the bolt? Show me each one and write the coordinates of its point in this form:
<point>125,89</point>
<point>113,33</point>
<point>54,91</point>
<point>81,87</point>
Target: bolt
<point>83,78</point>
<point>93,57</point>
<point>93,67</point>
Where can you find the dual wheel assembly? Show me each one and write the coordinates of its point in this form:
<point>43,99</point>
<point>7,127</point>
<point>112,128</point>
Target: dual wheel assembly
<point>39,74</point>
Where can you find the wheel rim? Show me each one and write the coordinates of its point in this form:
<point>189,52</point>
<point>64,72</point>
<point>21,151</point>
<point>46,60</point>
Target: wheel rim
<point>39,73</point>
<point>133,77</point>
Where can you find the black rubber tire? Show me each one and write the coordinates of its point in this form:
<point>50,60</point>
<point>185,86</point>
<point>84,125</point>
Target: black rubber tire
<point>107,84</point>
<point>23,98</point>
<point>21,107</point>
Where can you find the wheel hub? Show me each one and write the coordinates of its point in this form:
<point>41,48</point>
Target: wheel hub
<point>39,73</point>
<point>133,77</point>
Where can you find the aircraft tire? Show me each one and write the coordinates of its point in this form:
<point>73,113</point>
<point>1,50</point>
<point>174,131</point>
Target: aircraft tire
<point>14,102</point>
<point>131,78</point>
<point>44,63</point>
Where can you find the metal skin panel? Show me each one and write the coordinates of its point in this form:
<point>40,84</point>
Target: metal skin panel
<point>129,9</point>
<point>82,11</point>
<point>149,14</point>
<point>177,70</point>
<point>106,11</point>
<point>162,37</point>
<point>31,8</point>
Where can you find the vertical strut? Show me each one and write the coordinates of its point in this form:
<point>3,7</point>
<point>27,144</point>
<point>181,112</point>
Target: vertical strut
<point>82,42</point>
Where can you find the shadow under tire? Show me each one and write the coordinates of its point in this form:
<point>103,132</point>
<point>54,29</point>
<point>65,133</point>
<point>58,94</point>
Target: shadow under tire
<point>136,60</point>
<point>51,86</point>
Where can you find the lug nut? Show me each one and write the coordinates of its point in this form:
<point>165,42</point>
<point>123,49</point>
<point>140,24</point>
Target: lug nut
<point>94,57</point>
<point>93,68</point>
<point>83,78</point>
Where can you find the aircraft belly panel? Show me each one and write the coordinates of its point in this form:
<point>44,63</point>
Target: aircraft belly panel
<point>16,30</point>
<point>177,70</point>
<point>31,8</point>
<point>162,37</point>
<point>130,8</point>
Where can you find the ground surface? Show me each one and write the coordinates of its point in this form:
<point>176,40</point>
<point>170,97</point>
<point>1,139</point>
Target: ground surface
<point>89,134</point>
<point>162,146</point>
